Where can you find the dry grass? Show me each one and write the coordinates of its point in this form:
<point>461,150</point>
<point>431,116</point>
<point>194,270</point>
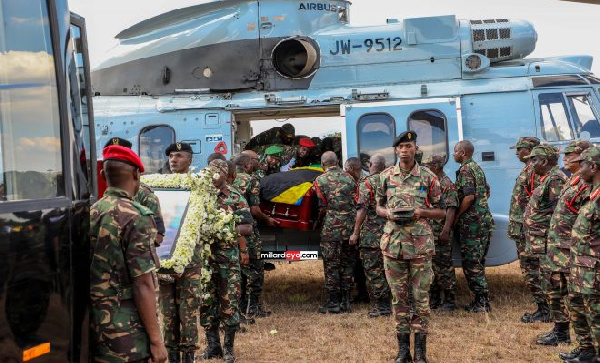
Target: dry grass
<point>294,291</point>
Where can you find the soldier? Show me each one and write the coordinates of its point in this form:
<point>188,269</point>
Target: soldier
<point>444,279</point>
<point>253,273</point>
<point>368,228</point>
<point>306,154</point>
<point>215,156</point>
<point>179,295</point>
<point>585,252</point>
<point>407,196</point>
<point>474,224</point>
<point>525,184</point>
<point>124,322</point>
<point>222,305</point>
<point>284,135</point>
<point>273,159</point>
<point>336,190</point>
<point>555,264</point>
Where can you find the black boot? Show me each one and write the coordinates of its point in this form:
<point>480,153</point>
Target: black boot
<point>481,304</point>
<point>382,308</point>
<point>558,335</point>
<point>333,305</point>
<point>255,308</point>
<point>541,315</point>
<point>585,356</point>
<point>246,320</point>
<point>449,303</point>
<point>345,303</point>
<point>574,353</point>
<point>228,355</point>
<point>188,357</point>
<point>213,344</point>
<point>174,356</point>
<point>403,348</point>
<point>434,298</point>
<point>420,348</point>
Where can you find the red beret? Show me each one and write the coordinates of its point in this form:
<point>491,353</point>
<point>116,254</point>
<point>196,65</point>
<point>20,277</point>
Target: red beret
<point>124,154</point>
<point>306,142</point>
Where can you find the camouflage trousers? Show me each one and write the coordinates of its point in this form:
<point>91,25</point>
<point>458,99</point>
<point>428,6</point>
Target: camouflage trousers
<point>530,269</point>
<point>253,274</point>
<point>592,312</point>
<point>554,284</point>
<point>473,249</point>
<point>339,258</point>
<point>224,291</point>
<point>179,303</point>
<point>444,278</point>
<point>372,260</point>
<point>407,277</point>
<point>579,320</point>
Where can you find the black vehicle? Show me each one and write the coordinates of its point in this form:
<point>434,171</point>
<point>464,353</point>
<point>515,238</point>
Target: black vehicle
<point>47,182</point>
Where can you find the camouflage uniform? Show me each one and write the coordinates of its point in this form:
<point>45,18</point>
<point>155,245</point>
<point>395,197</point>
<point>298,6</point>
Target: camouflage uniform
<point>336,191</point>
<point>444,276</point>
<point>146,197</point>
<point>407,248</point>
<point>254,272</point>
<point>370,236</point>
<point>268,137</point>
<point>474,226</point>
<point>122,248</point>
<point>222,306</point>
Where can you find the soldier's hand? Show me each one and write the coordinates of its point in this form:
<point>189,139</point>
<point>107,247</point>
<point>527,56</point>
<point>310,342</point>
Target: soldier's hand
<point>158,353</point>
<point>353,239</point>
<point>417,214</point>
<point>444,236</point>
<point>244,258</point>
<point>273,222</point>
<point>159,239</point>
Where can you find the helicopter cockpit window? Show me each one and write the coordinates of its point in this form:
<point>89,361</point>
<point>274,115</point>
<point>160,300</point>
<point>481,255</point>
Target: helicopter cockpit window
<point>376,131</point>
<point>583,117</point>
<point>430,126</point>
<point>154,140</point>
<point>554,117</point>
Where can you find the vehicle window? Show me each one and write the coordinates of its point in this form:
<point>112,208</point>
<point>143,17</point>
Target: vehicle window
<point>154,140</point>
<point>30,145</point>
<point>583,116</point>
<point>430,126</point>
<point>554,117</point>
<point>376,132</point>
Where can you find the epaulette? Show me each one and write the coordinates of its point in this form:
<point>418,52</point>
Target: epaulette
<point>595,194</point>
<point>575,180</point>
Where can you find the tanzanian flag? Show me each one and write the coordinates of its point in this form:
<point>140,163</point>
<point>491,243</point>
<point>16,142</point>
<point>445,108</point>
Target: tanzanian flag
<point>290,186</point>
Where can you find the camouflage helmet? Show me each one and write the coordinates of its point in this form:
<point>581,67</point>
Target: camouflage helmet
<point>577,146</point>
<point>591,155</point>
<point>528,142</point>
<point>548,151</point>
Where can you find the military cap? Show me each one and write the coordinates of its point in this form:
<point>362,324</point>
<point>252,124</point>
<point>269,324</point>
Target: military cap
<point>122,154</point>
<point>306,142</point>
<point>577,146</point>
<point>274,150</point>
<point>543,150</point>
<point>220,165</point>
<point>288,129</point>
<point>178,146</point>
<point>527,142</point>
<point>118,141</point>
<point>435,159</point>
<point>591,155</point>
<point>406,136</point>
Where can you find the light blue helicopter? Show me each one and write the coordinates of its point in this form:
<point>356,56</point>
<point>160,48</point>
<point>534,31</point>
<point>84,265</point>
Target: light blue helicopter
<point>203,73</point>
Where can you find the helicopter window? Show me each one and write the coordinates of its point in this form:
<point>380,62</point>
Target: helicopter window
<point>583,116</point>
<point>154,140</point>
<point>375,132</point>
<point>30,139</point>
<point>430,125</point>
<point>554,117</point>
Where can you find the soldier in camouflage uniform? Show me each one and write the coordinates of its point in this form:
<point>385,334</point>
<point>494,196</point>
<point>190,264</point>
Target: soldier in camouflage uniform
<point>444,279</point>
<point>408,195</point>
<point>336,190</point>
<point>222,304</point>
<point>525,184</point>
<point>474,224</point>
<point>368,229</point>
<point>284,135</point>
<point>555,264</point>
<point>585,252</point>
<point>123,316</point>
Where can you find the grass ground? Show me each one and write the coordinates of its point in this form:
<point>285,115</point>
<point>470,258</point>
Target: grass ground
<point>295,332</point>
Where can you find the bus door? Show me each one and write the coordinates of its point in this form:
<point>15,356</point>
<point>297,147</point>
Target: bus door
<point>371,127</point>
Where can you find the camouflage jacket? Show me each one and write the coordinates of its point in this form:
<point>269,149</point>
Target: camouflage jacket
<point>266,138</point>
<point>336,191</point>
<point>585,248</point>
<point>122,248</point>
<point>470,180</point>
<point>536,220</point>
<point>574,194</point>
<point>420,188</point>
<point>525,184</point>
<point>450,200</point>
<point>146,197</point>
<point>249,187</point>
<point>372,228</point>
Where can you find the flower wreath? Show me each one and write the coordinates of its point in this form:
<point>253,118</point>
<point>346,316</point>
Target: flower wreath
<point>205,223</point>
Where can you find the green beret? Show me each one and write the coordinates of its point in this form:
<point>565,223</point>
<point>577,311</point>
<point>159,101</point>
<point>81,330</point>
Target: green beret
<point>527,142</point>
<point>274,150</point>
<point>577,146</point>
<point>592,155</point>
<point>406,136</point>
